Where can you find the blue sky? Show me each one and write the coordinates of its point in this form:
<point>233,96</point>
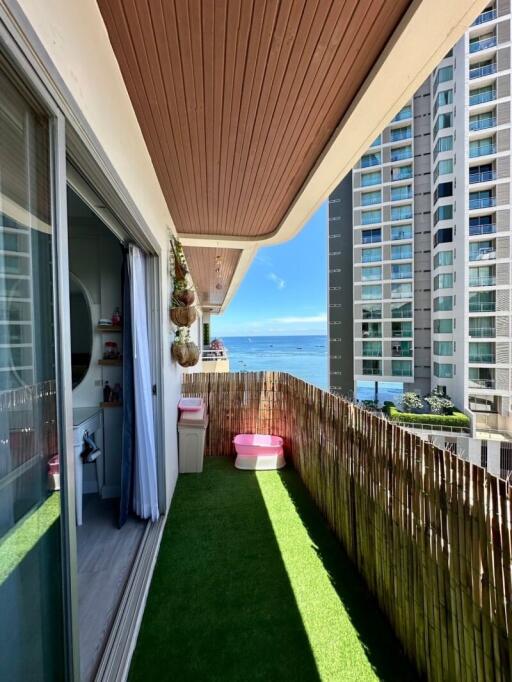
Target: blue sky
<point>285,290</point>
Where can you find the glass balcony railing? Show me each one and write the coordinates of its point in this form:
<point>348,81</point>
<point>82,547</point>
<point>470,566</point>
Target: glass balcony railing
<point>484,17</point>
<point>482,202</point>
<point>401,352</point>
<point>373,239</point>
<point>372,371</point>
<point>482,383</point>
<point>371,259</point>
<point>401,155</point>
<point>481,228</point>
<point>401,334</point>
<point>398,135</point>
<point>370,201</point>
<point>402,176</point>
<point>480,71</point>
<point>489,281</point>
<point>488,358</point>
<point>371,335</point>
<point>398,313</point>
<point>482,254</point>
<point>401,372</point>
<point>482,123</point>
<point>372,353</point>
<point>482,150</point>
<point>481,176</point>
<point>482,332</point>
<point>483,44</point>
<point>482,306</point>
<point>482,97</point>
<point>368,161</point>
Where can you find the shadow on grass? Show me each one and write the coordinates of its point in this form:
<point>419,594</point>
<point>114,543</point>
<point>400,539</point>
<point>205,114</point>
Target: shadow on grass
<point>221,606</point>
<point>382,648</point>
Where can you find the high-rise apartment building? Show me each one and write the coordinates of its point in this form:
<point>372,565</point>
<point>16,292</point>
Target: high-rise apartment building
<point>429,220</point>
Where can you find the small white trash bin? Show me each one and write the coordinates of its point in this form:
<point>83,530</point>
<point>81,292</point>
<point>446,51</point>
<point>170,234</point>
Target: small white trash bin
<point>192,426</point>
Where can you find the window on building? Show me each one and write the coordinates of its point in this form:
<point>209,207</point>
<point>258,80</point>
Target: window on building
<point>401,368</point>
<point>443,258</point>
<point>481,377</point>
<point>371,330</point>
<point>400,329</point>
<point>443,303</point>
<point>482,250</point>
<point>443,347</point>
<point>443,281</point>
<point>401,271</point>
<point>443,98</point>
<point>482,224</point>
<point>371,291</point>
<point>371,236</point>
<point>482,351</point>
<point>443,144</point>
<point>443,236</point>
<point>401,212</point>
<point>443,213</point>
<point>444,167</point>
<point>401,232</point>
<point>376,141</point>
<point>370,159</point>
<point>481,147</point>
<point>443,190</point>
<point>401,349</point>
<point>401,153</point>
<point>481,173</point>
<point>482,199</point>
<point>443,121</point>
<point>371,255</point>
<point>443,326</point>
<point>372,367</point>
<point>401,290</point>
<point>401,252</point>
<point>445,73</point>
<point>372,312</point>
<point>482,120</point>
<point>482,276</point>
<point>482,302</point>
<point>401,173</point>
<point>403,133</point>
<point>405,112</point>
<point>401,193</point>
<point>481,95</point>
<point>371,217</point>
<point>372,349</point>
<point>482,327</point>
<point>374,178</point>
<point>443,370</point>
<point>368,274</point>
<point>369,198</point>
<point>401,310</point>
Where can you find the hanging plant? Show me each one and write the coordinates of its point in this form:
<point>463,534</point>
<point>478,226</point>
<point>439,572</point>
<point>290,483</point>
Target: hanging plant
<point>180,263</point>
<point>183,350</point>
<point>183,316</point>
<point>183,295</point>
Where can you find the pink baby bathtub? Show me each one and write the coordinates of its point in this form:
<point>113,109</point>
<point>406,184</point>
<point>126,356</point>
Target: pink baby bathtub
<point>257,451</point>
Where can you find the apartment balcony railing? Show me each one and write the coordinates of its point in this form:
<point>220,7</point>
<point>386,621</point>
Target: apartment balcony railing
<point>380,486</point>
<point>482,254</point>
<point>477,229</point>
<point>401,155</point>
<point>481,71</point>
<point>481,176</point>
<point>483,150</point>
<point>402,353</point>
<point>396,314</point>
<point>482,202</point>
<point>482,281</point>
<point>487,358</point>
<point>482,383</point>
<point>371,201</point>
<point>482,307</point>
<point>372,371</point>
<point>482,97</point>
<point>484,44</point>
<point>368,162</point>
<point>404,176</point>
<point>402,334</point>
<point>401,373</point>
<point>372,353</point>
<point>482,332</point>
<point>371,335</point>
<point>397,136</point>
<point>372,239</point>
<point>482,18</point>
<point>483,123</point>
<point>371,259</point>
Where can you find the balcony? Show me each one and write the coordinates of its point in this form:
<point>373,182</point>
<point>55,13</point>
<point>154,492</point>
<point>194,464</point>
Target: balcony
<point>482,97</point>
<point>487,358</point>
<point>372,371</point>
<point>484,17</point>
<point>483,150</point>
<point>488,281</point>
<point>397,352</point>
<point>482,332</point>
<point>482,123</point>
<point>482,176</point>
<point>481,71</point>
<point>482,307</point>
<point>482,383</point>
<point>484,44</point>
<point>403,114</point>
<point>481,202</point>
<point>401,372</point>
<point>215,360</point>
<point>477,229</point>
<point>482,254</point>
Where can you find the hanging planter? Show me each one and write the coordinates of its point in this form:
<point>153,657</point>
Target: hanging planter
<point>183,316</point>
<point>184,295</point>
<point>183,350</point>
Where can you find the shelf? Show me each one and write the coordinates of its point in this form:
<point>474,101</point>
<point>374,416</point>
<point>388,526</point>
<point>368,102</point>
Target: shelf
<point>117,403</point>
<point>117,362</point>
<point>109,329</point>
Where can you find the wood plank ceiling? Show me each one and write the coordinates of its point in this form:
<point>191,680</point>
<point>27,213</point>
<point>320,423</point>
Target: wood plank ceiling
<point>237,99</point>
<point>213,270</point>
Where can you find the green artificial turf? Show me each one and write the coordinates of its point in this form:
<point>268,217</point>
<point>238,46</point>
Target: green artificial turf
<point>250,584</point>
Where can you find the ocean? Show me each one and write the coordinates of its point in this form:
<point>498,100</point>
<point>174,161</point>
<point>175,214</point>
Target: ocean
<point>305,357</point>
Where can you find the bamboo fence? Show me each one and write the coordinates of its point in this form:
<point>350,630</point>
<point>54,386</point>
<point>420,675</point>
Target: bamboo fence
<point>429,531</point>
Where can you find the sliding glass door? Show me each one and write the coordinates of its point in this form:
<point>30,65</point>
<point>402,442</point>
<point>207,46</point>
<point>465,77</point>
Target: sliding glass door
<point>31,612</point>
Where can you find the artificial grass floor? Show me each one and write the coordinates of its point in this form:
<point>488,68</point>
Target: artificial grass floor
<point>250,584</point>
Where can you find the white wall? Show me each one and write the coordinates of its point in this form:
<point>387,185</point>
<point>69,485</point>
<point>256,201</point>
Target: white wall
<point>74,36</point>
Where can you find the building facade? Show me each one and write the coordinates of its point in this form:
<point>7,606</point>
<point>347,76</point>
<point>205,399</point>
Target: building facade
<point>430,223</point>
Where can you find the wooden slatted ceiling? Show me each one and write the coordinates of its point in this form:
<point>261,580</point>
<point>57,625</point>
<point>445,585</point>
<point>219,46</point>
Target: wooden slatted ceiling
<point>212,271</point>
<point>237,98</point>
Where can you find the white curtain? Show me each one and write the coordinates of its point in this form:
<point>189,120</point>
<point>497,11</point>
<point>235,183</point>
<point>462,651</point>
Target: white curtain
<point>145,493</point>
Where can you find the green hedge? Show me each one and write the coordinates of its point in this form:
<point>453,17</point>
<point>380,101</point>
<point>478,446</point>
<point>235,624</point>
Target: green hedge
<point>455,419</point>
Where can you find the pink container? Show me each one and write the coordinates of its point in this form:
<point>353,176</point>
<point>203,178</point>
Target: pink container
<point>258,451</point>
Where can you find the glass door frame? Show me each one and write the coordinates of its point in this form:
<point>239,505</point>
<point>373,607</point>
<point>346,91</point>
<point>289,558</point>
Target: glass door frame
<point>21,71</point>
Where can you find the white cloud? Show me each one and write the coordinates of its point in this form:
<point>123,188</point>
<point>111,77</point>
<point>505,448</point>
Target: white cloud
<point>278,281</point>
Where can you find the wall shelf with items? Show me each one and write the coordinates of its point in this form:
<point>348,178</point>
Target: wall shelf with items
<point>109,329</point>
<point>111,362</point>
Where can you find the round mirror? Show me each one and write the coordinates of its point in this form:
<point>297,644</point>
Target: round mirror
<point>81,331</point>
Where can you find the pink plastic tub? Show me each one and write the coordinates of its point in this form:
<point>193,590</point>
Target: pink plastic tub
<point>258,451</point>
